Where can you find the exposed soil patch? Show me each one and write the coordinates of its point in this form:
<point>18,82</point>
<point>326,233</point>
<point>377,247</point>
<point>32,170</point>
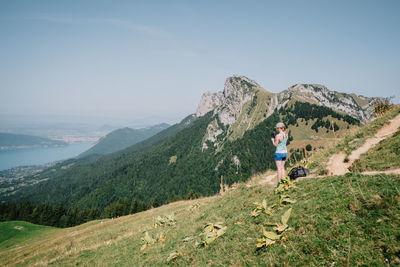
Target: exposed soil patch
<point>336,164</point>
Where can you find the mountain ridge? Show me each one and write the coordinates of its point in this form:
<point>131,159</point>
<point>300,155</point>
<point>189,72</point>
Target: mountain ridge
<point>241,93</point>
<point>122,138</point>
<point>229,137</point>
<point>319,94</point>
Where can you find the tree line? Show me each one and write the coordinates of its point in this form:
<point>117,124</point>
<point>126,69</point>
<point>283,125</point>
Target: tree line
<point>62,216</point>
<point>307,111</point>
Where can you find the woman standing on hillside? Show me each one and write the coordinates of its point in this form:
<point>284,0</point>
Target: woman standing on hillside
<point>279,142</point>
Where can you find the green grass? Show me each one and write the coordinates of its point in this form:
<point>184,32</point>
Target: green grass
<point>384,156</point>
<point>336,221</point>
<point>304,132</point>
<point>361,102</point>
<point>16,233</point>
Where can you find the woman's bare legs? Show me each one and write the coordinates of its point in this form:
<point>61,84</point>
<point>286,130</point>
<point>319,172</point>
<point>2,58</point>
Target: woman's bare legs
<point>278,168</point>
<point>280,165</point>
<point>282,169</point>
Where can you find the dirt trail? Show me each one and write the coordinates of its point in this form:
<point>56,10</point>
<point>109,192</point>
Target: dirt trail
<point>336,164</point>
<point>268,179</point>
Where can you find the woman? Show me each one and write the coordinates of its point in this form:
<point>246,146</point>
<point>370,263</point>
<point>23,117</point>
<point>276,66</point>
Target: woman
<point>279,142</point>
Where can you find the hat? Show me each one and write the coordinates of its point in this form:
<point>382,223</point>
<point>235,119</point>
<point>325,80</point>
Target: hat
<point>279,125</point>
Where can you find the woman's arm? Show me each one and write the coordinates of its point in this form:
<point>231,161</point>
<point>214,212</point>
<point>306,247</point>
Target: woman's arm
<point>277,139</point>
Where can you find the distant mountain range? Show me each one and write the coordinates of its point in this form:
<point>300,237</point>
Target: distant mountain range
<point>123,138</point>
<point>9,141</point>
<point>229,136</point>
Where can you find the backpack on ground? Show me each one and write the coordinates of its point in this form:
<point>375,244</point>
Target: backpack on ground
<point>297,172</point>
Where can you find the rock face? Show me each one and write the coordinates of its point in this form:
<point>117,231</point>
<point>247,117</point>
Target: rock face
<point>340,102</point>
<point>228,105</point>
<point>212,133</point>
<point>208,102</point>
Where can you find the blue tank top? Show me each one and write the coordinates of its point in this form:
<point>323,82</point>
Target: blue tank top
<point>281,147</point>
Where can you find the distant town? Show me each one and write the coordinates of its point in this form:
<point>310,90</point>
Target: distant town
<point>78,138</point>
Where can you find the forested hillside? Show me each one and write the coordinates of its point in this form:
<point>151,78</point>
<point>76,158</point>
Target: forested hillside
<point>123,138</point>
<point>307,111</point>
<point>159,172</point>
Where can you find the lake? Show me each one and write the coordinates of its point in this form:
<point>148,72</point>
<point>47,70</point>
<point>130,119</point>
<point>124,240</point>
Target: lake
<point>36,156</point>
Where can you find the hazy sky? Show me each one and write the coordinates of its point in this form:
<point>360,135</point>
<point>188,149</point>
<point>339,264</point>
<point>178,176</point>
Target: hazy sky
<point>132,59</point>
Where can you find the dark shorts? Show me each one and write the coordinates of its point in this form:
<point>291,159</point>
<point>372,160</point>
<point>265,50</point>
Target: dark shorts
<point>280,156</point>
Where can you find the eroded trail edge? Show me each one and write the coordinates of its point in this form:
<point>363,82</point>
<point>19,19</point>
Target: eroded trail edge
<point>336,164</point>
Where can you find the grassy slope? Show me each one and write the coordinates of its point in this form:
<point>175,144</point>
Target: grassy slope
<point>384,156</point>
<point>303,133</point>
<point>353,140</point>
<point>16,233</point>
<point>351,220</point>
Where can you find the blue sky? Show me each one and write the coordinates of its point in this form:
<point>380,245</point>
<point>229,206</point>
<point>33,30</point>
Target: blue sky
<point>133,59</point>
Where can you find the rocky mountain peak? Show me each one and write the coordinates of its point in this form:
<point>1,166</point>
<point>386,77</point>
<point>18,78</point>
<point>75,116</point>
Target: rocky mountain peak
<point>228,103</point>
<point>237,84</point>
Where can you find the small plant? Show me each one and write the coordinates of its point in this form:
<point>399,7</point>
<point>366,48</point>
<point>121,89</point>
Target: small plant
<point>168,220</point>
<point>284,185</point>
<point>284,199</point>
<point>262,208</point>
<point>147,241</point>
<point>173,256</point>
<point>159,222</point>
<point>210,233</point>
<point>270,237</point>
